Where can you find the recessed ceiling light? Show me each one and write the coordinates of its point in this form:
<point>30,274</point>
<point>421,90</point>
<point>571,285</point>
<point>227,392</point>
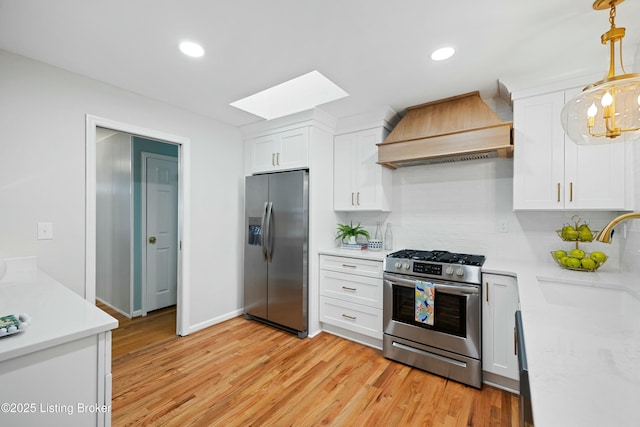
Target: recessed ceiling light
<point>191,49</point>
<point>299,94</point>
<point>443,53</point>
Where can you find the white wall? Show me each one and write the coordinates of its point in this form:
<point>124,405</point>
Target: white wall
<point>113,220</point>
<point>460,206</point>
<point>631,255</point>
<point>42,177</point>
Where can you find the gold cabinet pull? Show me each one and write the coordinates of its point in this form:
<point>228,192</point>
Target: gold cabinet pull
<point>349,317</point>
<point>152,240</point>
<point>273,159</point>
<point>487,296</point>
<point>278,159</point>
<point>571,191</point>
<point>346,288</point>
<point>352,202</point>
<point>348,266</point>
<point>358,199</point>
<point>558,192</point>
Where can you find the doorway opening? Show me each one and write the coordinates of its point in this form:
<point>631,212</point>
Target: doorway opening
<point>148,154</point>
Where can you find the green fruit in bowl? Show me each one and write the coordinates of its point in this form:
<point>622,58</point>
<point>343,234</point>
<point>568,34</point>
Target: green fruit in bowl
<point>563,260</point>
<point>569,233</point>
<point>573,262</point>
<point>576,253</point>
<point>559,254</point>
<point>583,227</point>
<point>588,264</point>
<point>598,257</point>
<point>585,235</point>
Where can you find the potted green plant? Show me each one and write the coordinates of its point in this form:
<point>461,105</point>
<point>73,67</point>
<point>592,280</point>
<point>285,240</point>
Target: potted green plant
<point>349,233</point>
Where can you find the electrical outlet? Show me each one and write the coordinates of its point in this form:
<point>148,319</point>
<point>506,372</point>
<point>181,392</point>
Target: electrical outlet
<point>45,231</point>
<point>503,226</point>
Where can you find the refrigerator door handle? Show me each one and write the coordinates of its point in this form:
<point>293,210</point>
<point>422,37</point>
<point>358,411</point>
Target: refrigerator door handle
<point>269,243</point>
<point>264,232</point>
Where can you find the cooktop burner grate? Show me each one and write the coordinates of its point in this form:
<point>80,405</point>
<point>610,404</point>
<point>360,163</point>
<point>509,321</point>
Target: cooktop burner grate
<point>444,257</point>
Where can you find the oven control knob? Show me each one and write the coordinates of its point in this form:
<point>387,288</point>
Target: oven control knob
<point>407,266</point>
<point>459,272</point>
<point>398,265</point>
<point>449,270</point>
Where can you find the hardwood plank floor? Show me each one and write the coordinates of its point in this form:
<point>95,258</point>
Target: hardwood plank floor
<point>244,373</point>
<point>138,332</point>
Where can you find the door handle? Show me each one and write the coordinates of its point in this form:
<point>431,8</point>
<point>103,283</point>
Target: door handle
<point>152,240</point>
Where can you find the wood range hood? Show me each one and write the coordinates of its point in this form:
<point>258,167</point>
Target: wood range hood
<point>453,129</point>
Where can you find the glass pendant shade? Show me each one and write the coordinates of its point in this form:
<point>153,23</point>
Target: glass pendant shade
<point>609,110</point>
<point>604,113</point>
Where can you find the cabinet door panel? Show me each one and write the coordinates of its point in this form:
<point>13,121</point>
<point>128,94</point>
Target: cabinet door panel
<point>539,153</point>
<point>293,151</point>
<point>262,153</point>
<point>369,179</point>
<point>500,303</point>
<point>595,176</point>
<point>344,172</point>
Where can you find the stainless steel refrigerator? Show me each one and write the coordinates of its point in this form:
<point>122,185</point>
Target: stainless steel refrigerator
<point>276,249</point>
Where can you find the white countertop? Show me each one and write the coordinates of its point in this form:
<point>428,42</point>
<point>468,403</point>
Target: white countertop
<point>352,253</point>
<point>58,315</point>
<point>584,363</point>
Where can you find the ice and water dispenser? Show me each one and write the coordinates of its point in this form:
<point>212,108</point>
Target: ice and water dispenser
<point>255,231</point>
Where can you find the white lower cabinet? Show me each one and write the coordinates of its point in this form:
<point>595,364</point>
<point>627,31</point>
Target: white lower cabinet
<point>351,296</point>
<point>499,304</point>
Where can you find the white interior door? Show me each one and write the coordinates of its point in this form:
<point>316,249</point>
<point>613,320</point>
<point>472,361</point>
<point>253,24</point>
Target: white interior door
<point>160,210</point>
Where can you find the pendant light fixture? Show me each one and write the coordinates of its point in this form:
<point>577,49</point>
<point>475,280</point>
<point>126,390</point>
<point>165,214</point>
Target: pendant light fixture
<point>608,110</point>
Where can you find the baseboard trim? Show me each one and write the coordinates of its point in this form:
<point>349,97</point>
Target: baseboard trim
<point>219,319</point>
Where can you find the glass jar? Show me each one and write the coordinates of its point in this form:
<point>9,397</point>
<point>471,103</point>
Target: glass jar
<point>388,238</point>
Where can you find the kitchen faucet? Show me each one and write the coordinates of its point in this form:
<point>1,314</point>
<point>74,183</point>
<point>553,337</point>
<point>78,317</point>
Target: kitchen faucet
<point>607,232</point>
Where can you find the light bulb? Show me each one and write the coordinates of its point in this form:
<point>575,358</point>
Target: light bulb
<point>638,99</point>
<point>607,100</point>
<point>593,110</point>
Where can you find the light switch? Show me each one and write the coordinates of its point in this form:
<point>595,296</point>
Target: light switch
<point>45,231</point>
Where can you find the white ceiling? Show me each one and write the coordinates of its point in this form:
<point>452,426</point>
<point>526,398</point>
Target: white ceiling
<point>376,50</point>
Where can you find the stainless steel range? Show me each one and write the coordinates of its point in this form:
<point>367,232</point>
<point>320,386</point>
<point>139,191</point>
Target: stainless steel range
<point>451,347</point>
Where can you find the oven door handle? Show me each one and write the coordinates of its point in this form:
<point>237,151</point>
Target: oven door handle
<point>448,288</point>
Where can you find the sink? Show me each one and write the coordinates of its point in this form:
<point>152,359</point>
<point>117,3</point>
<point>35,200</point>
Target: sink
<point>591,297</point>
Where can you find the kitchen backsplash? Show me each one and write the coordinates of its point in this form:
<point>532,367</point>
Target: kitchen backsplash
<point>468,207</point>
<point>631,246</point>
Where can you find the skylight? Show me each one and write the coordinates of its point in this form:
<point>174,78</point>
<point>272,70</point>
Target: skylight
<point>299,94</point>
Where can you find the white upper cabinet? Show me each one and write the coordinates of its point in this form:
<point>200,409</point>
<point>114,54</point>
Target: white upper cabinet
<point>359,182</point>
<point>280,151</point>
<point>551,172</point>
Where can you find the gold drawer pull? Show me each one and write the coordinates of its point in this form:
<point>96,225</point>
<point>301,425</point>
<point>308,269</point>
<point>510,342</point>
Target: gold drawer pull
<point>558,192</point>
<point>349,317</point>
<point>349,289</point>
<point>349,266</point>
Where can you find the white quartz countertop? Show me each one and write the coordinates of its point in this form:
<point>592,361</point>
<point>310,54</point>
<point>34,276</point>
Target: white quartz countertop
<point>582,339</point>
<point>58,315</point>
<point>351,253</point>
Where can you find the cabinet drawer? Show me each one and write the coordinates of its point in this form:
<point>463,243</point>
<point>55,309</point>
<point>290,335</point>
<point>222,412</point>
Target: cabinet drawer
<point>350,287</point>
<point>362,267</point>
<point>354,317</point>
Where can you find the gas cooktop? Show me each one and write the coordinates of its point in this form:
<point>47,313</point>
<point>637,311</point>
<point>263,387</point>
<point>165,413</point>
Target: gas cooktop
<point>435,264</point>
<point>444,257</point>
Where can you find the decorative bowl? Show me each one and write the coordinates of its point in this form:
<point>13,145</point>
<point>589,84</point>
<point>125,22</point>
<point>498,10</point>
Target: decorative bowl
<point>580,268</point>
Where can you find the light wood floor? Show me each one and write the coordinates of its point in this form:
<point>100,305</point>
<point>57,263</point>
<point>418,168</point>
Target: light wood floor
<point>139,332</point>
<point>244,373</point>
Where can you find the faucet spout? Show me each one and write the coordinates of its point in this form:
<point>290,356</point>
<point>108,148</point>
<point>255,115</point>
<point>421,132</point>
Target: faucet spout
<point>605,235</point>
